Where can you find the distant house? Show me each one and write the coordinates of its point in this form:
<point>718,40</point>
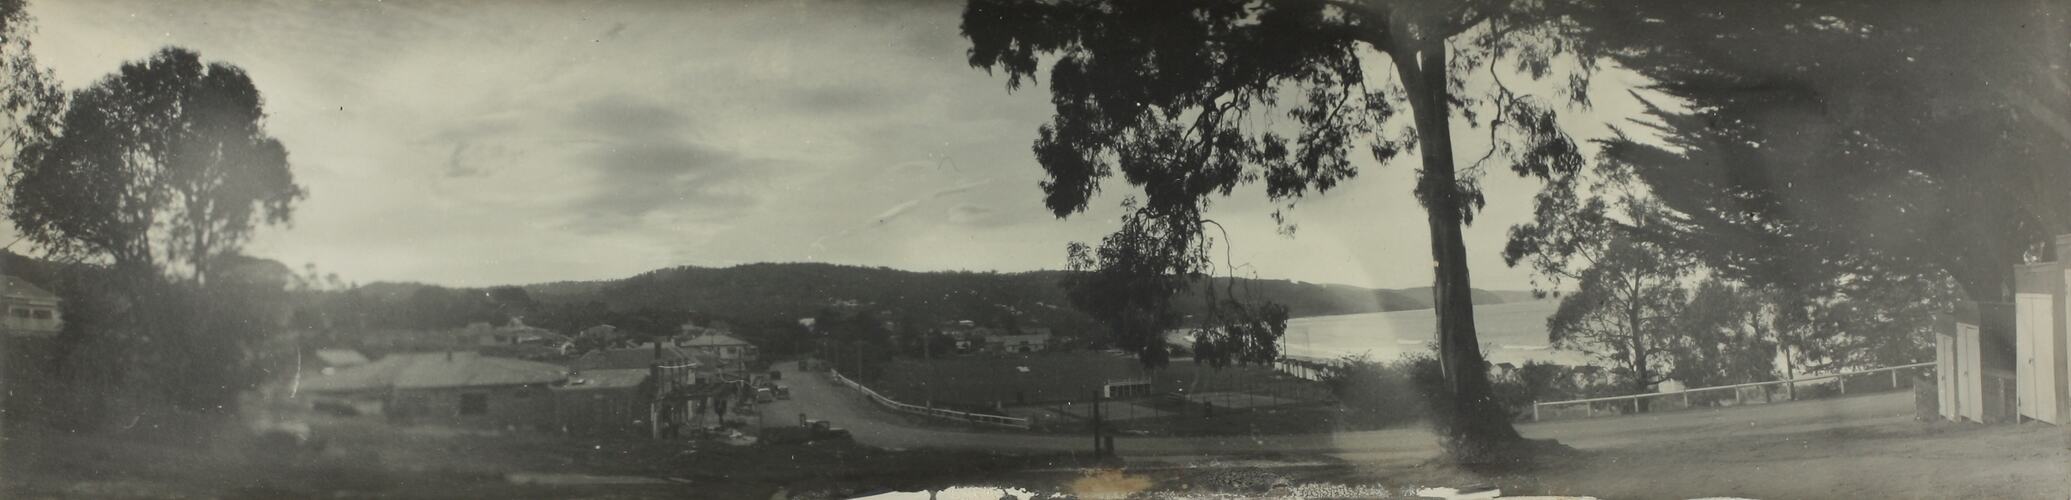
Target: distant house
<point>453,388</point>
<point>1027,342</point>
<point>716,343</point>
<point>338,359</point>
<point>32,312</point>
<point>517,332</point>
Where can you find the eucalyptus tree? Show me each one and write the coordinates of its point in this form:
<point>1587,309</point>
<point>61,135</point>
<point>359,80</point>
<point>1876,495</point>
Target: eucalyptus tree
<point>1628,292</point>
<point>1179,96</point>
<point>165,162</point>
<point>30,97</point>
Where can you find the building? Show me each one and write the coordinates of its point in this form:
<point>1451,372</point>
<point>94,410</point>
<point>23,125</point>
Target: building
<point>605,402</point>
<point>1023,343</point>
<point>452,388</point>
<point>517,332</point>
<point>716,343</point>
<point>32,312</point>
<point>339,359</point>
<point>676,365</point>
<point>680,387</point>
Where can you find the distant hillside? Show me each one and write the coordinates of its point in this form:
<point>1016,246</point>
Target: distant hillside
<point>797,290</point>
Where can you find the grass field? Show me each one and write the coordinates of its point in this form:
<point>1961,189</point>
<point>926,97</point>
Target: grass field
<point>1054,378</point>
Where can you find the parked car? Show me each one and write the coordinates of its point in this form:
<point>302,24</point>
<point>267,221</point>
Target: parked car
<point>813,430</point>
<point>782,391</point>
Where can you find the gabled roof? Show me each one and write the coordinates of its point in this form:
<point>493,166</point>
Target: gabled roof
<point>21,289</point>
<point>341,357</point>
<point>712,340</point>
<point>433,370</point>
<point>1026,337</point>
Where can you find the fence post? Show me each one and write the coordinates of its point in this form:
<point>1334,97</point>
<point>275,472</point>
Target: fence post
<point>1535,411</point>
<point>1894,379</point>
<point>1844,383</point>
<point>1686,400</point>
<point>1636,406</point>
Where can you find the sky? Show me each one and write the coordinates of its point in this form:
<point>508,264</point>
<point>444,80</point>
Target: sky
<point>476,143</point>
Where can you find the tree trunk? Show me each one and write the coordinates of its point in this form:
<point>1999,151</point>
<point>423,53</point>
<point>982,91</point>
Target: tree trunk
<point>1475,424</point>
<point>1639,355</point>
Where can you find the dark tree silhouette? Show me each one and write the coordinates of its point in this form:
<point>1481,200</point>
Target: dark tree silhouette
<point>165,149</point>
<point>1171,93</point>
<point>1855,137</point>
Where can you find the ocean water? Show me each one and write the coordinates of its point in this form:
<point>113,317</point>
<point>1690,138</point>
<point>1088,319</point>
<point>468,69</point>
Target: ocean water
<point>1509,333</point>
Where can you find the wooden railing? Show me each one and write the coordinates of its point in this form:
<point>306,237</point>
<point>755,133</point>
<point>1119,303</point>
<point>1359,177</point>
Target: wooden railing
<point>980,418</point>
<point>1683,396</point>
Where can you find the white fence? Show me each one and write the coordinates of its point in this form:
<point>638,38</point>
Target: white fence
<point>1017,423</point>
<point>1676,400</point>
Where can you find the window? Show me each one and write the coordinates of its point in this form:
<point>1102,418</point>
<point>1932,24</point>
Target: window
<point>42,314</point>
<point>474,404</point>
<point>20,312</point>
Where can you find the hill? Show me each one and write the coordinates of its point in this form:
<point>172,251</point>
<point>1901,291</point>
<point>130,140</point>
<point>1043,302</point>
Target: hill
<point>798,290</point>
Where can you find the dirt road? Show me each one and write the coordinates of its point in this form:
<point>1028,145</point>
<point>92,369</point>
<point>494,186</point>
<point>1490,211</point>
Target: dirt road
<point>820,398</point>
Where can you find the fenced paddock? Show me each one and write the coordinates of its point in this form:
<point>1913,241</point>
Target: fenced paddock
<point>1050,379</point>
<point>978,418</point>
<point>1777,391</point>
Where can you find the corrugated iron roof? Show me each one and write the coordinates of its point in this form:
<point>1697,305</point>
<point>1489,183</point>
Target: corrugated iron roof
<point>21,289</point>
<point>605,379</point>
<point>712,340</point>
<point>435,369</point>
<point>341,357</point>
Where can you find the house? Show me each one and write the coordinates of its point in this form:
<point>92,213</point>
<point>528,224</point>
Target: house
<point>1026,342</point>
<point>452,388</point>
<point>339,359</point>
<point>517,332</point>
<point>716,343</point>
<point>32,312</point>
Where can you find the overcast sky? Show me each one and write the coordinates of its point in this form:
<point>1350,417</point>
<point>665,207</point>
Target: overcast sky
<point>477,143</point>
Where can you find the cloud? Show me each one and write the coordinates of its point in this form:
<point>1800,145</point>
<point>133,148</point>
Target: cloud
<point>645,162</point>
<point>972,215</point>
<point>847,97</point>
<point>897,211</point>
<point>456,163</point>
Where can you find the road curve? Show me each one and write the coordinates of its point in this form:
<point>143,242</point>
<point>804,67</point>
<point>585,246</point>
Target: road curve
<point>820,398</point>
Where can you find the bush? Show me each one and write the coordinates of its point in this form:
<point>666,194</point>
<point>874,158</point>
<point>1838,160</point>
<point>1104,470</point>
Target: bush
<point>1375,394</point>
<point>134,350</point>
